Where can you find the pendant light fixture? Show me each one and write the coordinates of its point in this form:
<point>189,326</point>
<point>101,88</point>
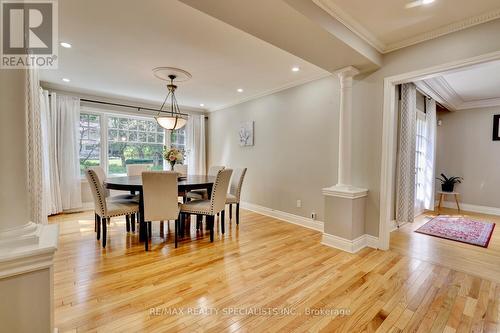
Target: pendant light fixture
<point>172,118</point>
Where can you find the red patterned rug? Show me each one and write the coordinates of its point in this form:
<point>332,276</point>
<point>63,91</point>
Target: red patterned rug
<point>460,229</point>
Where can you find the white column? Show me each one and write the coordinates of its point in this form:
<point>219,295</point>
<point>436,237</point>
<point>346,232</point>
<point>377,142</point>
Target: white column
<point>26,248</point>
<point>345,126</point>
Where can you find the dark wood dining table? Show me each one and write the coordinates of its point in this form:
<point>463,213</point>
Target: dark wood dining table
<point>133,184</point>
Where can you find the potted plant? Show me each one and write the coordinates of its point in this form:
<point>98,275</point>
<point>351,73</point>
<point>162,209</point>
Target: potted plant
<point>448,184</point>
<point>173,156</point>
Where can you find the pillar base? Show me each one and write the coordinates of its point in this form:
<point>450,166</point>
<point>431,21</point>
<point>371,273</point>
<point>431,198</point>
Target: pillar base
<point>345,218</point>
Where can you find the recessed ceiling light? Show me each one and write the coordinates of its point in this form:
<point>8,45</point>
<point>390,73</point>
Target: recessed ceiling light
<point>202,105</point>
<point>66,45</point>
<point>295,69</point>
<point>239,90</point>
<point>426,2</point>
<point>66,80</point>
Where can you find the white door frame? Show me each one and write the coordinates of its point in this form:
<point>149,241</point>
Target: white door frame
<point>390,129</point>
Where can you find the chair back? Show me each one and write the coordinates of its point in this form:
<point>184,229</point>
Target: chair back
<point>101,175</point>
<point>97,192</point>
<point>219,191</point>
<point>181,168</point>
<point>237,182</point>
<point>160,195</point>
<point>137,169</point>
<point>214,170</point>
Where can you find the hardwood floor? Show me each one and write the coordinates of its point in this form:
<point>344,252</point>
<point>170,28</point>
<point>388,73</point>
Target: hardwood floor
<point>263,276</point>
<point>483,262</point>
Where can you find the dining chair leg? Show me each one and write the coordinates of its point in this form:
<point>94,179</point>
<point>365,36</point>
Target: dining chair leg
<point>238,213</point>
<point>175,231</point>
<point>132,222</point>
<point>162,226</point>
<point>149,229</point>
<point>98,227</point>
<point>104,236</point>
<point>127,222</point>
<point>222,222</point>
<point>146,236</point>
<point>210,222</point>
<point>230,211</point>
<point>199,222</point>
<point>95,222</point>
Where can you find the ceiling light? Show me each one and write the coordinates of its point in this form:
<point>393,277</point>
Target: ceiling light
<point>202,105</point>
<point>66,80</point>
<point>239,90</point>
<point>172,119</point>
<point>295,69</point>
<point>426,2</point>
<point>66,45</point>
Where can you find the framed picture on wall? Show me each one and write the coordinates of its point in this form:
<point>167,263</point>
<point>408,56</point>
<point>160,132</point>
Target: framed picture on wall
<point>246,133</point>
<point>496,127</point>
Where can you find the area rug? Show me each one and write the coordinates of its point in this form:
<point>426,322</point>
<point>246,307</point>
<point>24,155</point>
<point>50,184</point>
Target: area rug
<point>460,229</point>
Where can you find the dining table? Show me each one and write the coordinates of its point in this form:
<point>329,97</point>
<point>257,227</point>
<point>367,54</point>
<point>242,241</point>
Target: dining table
<point>133,184</point>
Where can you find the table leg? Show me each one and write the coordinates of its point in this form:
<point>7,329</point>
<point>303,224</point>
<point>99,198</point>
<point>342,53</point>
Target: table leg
<point>142,223</point>
<point>456,200</point>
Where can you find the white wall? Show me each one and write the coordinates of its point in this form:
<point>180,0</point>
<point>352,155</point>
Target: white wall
<point>296,146</point>
<point>465,148</point>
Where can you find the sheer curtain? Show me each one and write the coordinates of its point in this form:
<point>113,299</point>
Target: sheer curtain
<point>430,153</point>
<point>60,127</point>
<point>195,131</point>
<point>405,177</point>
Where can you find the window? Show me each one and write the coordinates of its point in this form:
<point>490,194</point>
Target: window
<point>420,162</point>
<point>134,141</point>
<point>90,140</point>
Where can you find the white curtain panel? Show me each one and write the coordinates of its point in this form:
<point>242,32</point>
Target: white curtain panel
<point>195,131</point>
<point>67,114</point>
<point>405,182</point>
<point>430,152</point>
<point>34,148</point>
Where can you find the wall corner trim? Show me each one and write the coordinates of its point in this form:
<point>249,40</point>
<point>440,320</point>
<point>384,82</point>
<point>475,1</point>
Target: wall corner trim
<point>347,245</point>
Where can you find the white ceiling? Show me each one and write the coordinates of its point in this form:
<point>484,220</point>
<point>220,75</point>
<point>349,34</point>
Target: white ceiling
<point>388,25</point>
<point>116,44</point>
<point>472,87</point>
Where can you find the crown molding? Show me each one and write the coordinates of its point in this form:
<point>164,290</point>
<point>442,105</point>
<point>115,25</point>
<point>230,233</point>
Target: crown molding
<point>272,91</point>
<point>337,13</point>
<point>356,27</point>
<point>441,91</point>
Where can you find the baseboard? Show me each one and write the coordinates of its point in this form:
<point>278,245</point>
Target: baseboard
<point>351,246</point>
<point>394,226</point>
<point>472,208</point>
<point>85,207</point>
<point>283,216</point>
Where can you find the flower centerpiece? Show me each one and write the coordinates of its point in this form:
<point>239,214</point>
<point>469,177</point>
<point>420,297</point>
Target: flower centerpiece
<point>173,156</point>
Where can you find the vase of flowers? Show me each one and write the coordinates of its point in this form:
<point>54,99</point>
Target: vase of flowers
<point>173,156</point>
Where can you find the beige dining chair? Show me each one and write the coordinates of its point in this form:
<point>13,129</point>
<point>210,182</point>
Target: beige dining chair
<point>159,190</point>
<point>233,196</point>
<point>101,176</point>
<point>215,205</point>
<point>137,169</point>
<point>107,208</point>
<point>182,169</point>
<point>202,193</point>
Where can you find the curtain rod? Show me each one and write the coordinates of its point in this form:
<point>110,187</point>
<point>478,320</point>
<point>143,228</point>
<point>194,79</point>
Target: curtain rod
<point>138,108</point>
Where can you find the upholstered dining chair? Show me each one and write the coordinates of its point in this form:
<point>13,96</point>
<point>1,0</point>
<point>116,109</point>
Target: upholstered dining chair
<point>233,196</point>
<point>137,169</point>
<point>107,208</point>
<point>160,200</point>
<point>181,168</point>
<point>101,175</point>
<point>216,204</point>
<point>202,193</point>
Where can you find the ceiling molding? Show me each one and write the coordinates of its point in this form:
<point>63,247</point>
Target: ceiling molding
<point>336,12</point>
<point>441,91</point>
<point>445,30</point>
<point>271,91</point>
